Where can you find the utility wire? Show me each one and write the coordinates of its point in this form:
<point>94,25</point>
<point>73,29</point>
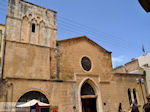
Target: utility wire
<point>94,33</point>
<point>81,28</point>
<point>87,27</point>
<point>99,41</point>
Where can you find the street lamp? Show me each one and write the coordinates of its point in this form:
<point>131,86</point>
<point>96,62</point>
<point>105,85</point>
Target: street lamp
<point>141,81</point>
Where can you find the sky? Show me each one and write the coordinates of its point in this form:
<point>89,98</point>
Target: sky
<point>119,26</point>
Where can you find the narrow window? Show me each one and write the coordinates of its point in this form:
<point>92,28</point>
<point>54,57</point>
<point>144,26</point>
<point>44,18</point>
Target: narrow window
<point>134,95</point>
<point>129,96</point>
<point>33,27</point>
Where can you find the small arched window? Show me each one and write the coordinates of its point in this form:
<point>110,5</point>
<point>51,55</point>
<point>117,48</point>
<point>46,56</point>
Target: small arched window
<point>129,96</point>
<point>134,95</point>
<point>33,27</point>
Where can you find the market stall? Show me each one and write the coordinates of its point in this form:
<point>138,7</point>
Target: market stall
<point>33,106</point>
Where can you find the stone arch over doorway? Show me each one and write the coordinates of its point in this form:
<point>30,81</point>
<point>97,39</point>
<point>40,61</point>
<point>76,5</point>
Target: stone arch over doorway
<point>90,91</point>
<point>30,95</point>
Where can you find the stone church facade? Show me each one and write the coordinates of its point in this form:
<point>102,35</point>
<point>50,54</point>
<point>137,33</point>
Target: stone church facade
<point>75,72</point>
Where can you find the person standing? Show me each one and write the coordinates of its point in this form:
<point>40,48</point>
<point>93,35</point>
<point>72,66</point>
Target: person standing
<point>146,106</point>
<point>106,108</point>
<point>120,107</point>
<point>74,109</point>
<point>134,108</point>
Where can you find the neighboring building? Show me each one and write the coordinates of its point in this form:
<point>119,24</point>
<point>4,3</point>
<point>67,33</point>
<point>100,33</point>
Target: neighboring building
<point>144,63</point>
<point>74,72</point>
<point>145,4</point>
<point>140,65</point>
<point>123,88</point>
<point>130,67</point>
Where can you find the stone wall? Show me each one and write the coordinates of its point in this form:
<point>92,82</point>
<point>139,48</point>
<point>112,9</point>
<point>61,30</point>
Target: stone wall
<point>26,61</point>
<point>65,94</point>
<point>116,91</point>
<point>59,94</point>
<point>73,50</point>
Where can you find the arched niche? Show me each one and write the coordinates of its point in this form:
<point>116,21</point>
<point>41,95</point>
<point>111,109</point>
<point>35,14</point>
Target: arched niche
<point>25,29</point>
<point>43,34</point>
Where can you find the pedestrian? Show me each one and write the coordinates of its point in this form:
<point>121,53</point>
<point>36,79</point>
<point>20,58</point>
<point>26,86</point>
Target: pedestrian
<point>74,109</point>
<point>106,109</point>
<point>134,108</point>
<point>124,110</point>
<point>129,110</point>
<point>120,107</point>
<point>146,106</point>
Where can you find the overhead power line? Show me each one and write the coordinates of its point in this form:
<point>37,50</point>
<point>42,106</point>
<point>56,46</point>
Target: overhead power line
<point>96,34</point>
<point>99,41</point>
<point>80,29</point>
<point>88,28</point>
<point>92,35</point>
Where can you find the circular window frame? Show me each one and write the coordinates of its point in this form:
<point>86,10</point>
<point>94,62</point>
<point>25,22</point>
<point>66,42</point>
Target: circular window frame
<point>82,65</point>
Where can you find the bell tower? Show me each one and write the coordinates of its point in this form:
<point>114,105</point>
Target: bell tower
<point>32,24</point>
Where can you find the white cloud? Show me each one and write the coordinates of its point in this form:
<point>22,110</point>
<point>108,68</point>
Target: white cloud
<point>118,60</point>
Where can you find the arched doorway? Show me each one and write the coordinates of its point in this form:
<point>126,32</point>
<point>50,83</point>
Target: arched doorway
<point>88,98</point>
<point>33,95</point>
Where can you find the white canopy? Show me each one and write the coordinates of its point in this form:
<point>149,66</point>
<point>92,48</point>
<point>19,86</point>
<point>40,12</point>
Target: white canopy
<point>32,103</point>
